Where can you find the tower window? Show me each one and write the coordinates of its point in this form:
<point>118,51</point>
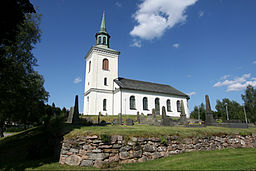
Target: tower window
<point>89,66</point>
<point>104,40</point>
<point>145,103</point>
<point>99,40</point>
<point>132,103</point>
<point>105,64</point>
<point>105,82</point>
<point>105,104</point>
<point>168,104</point>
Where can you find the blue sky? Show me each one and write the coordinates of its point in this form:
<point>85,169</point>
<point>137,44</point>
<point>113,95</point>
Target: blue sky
<point>197,46</point>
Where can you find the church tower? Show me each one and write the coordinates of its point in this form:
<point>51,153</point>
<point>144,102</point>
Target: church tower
<point>101,70</point>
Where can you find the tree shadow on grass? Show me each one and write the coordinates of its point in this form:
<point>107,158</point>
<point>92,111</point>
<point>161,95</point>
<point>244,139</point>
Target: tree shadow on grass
<point>34,147</point>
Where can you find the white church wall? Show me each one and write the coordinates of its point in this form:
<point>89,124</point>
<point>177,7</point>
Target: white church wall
<point>139,95</point>
<point>94,81</point>
<point>117,103</point>
<point>95,104</point>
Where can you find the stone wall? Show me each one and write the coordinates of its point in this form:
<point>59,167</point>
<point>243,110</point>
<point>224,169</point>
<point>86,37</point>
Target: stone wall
<point>95,151</point>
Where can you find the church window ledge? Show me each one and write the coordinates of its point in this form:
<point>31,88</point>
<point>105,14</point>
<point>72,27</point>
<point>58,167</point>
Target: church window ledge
<point>133,109</point>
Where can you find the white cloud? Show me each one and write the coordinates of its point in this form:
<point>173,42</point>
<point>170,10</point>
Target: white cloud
<point>77,80</point>
<point>155,16</point>
<point>238,83</point>
<point>118,4</point>
<point>176,45</point>
<point>201,13</point>
<point>225,77</point>
<point>136,43</point>
<point>254,62</point>
<point>191,93</point>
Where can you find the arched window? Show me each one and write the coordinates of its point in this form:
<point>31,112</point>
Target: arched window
<point>157,106</point>
<point>104,40</point>
<point>105,81</point>
<point>89,66</point>
<point>132,103</point>
<point>168,104</point>
<point>178,106</point>
<point>99,40</point>
<point>105,104</point>
<point>145,103</point>
<point>105,64</point>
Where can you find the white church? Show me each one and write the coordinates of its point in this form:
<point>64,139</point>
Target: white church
<point>109,94</point>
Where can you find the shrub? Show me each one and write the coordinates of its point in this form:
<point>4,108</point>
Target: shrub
<point>105,138</point>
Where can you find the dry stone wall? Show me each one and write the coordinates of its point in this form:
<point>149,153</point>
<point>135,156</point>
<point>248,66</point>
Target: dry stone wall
<point>93,151</point>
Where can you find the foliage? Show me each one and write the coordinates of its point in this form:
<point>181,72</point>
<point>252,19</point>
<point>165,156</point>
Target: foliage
<point>249,99</point>
<point>163,141</point>
<point>10,21</point>
<point>39,144</point>
<point>194,113</point>
<point>22,95</point>
<point>235,110</point>
<point>105,138</point>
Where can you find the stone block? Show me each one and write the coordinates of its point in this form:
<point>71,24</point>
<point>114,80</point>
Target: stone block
<point>117,146</point>
<point>105,146</point>
<point>86,163</point>
<point>92,137</point>
<point>125,148</point>
<point>97,150</point>
<point>73,150</point>
<point>73,160</point>
<point>124,155</point>
<point>99,163</point>
<point>136,154</point>
<point>96,156</point>
<point>142,159</point>
<point>149,148</point>
<point>110,150</point>
<point>114,158</point>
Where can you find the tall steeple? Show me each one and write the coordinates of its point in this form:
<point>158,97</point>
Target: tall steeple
<point>102,37</point>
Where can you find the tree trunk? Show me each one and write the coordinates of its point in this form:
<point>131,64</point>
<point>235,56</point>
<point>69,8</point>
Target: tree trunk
<point>1,130</point>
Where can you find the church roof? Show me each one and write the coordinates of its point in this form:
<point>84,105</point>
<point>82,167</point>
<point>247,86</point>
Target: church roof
<point>125,83</point>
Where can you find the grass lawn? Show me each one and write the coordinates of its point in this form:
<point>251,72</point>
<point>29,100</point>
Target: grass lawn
<point>31,149</point>
<point>154,131</point>
<point>229,159</point>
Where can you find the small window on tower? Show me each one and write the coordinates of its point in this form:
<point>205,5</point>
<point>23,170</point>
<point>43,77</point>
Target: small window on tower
<point>105,81</point>
<point>89,66</point>
<point>105,104</point>
<point>104,40</point>
<point>105,64</point>
<point>99,40</point>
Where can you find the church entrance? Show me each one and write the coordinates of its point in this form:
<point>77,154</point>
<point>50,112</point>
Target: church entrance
<point>157,106</point>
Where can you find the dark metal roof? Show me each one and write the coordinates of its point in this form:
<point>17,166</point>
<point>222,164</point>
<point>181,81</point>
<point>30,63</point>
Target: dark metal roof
<point>147,86</point>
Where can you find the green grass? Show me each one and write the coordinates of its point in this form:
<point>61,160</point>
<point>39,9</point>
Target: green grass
<point>229,159</point>
<point>20,151</point>
<point>154,131</point>
<point>110,118</point>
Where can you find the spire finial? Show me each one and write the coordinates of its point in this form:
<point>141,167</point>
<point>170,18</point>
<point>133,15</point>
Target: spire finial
<point>103,24</point>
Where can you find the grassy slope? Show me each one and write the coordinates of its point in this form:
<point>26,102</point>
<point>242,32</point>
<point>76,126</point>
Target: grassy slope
<point>231,159</point>
<point>154,131</point>
<point>234,159</point>
<point>20,151</point>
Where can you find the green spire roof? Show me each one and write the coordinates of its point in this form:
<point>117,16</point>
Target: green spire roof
<point>103,24</point>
